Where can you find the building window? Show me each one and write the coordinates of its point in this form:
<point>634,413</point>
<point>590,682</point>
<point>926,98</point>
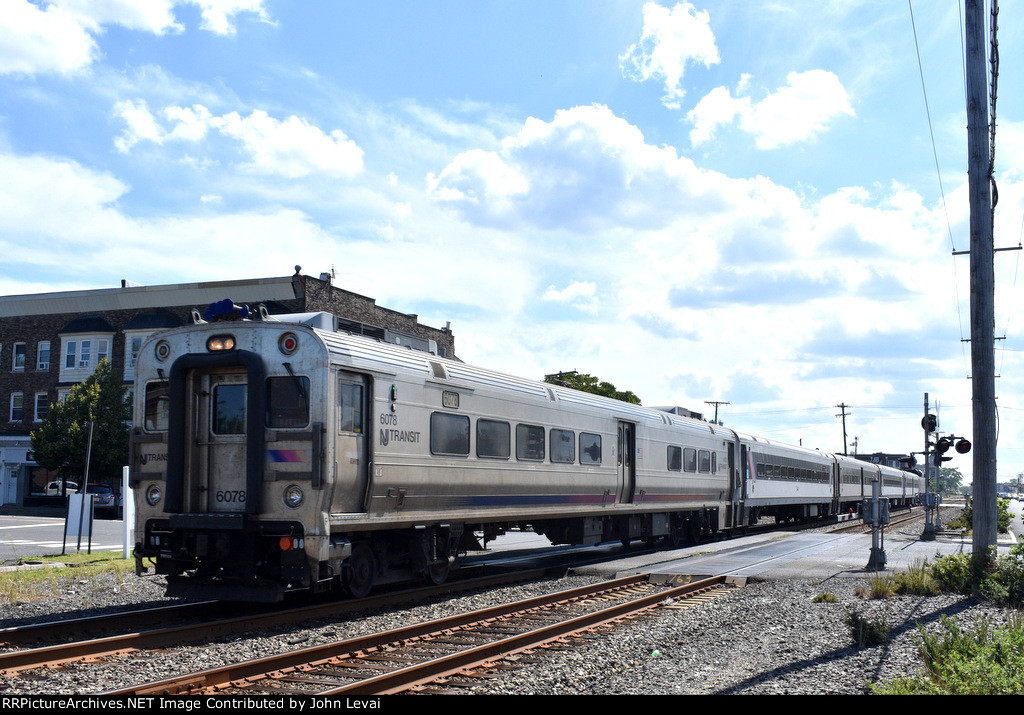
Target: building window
<point>19,357</point>
<point>86,353</point>
<point>69,354</point>
<point>17,406</point>
<point>42,406</point>
<point>43,356</point>
<point>134,345</point>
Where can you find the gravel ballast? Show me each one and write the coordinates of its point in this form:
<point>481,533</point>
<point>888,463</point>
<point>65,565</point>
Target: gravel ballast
<point>768,637</point>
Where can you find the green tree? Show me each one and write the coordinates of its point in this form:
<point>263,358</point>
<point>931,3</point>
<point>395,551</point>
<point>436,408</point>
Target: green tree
<point>589,383</point>
<point>950,479</point>
<point>60,444</point>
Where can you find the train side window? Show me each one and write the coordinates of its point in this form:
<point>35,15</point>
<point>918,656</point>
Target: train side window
<point>675,459</point>
<point>530,443</point>
<point>714,462</point>
<point>705,461</point>
<point>449,434</point>
<point>563,446</point>
<point>350,398</point>
<point>760,469</point>
<point>287,402</point>
<point>229,409</point>
<point>158,406</point>
<point>590,448</point>
<point>689,460</point>
<point>493,439</point>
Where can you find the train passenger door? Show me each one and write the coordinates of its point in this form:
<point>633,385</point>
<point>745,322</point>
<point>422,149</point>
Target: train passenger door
<point>221,409</point>
<point>627,462</point>
<point>351,453</point>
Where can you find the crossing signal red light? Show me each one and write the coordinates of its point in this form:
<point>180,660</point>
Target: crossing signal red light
<point>943,445</point>
<point>963,447</point>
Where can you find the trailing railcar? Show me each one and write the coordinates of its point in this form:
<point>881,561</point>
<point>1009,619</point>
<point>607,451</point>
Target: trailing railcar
<point>270,456</point>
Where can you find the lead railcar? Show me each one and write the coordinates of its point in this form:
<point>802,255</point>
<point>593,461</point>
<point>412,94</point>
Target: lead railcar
<point>269,456</point>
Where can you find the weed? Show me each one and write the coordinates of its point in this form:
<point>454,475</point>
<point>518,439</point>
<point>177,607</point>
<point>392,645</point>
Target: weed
<point>866,633</point>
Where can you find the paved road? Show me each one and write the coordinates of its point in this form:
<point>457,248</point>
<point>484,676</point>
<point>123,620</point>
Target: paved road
<point>27,536</point>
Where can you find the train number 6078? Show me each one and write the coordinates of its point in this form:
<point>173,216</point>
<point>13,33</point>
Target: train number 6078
<point>230,497</point>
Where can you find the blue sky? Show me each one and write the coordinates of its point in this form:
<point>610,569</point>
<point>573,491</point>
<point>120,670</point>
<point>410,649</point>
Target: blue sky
<point>734,200</point>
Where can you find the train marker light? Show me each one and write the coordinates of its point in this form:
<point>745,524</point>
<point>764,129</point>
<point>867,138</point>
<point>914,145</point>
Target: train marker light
<point>153,495</point>
<point>288,343</point>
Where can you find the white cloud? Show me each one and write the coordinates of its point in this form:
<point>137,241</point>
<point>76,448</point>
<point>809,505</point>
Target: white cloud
<point>36,40</point>
<point>60,37</point>
<point>586,167</point>
<point>799,111</point>
<point>291,147</point>
<point>579,294</point>
<point>670,40</point>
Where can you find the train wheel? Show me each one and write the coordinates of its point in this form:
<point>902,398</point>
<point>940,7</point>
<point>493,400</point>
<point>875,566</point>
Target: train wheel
<point>361,569</point>
<point>437,573</point>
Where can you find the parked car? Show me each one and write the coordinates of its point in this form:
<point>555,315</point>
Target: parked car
<point>53,488</point>
<point>103,499</point>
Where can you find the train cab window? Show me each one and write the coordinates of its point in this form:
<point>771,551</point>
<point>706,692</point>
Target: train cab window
<point>449,434</point>
<point>675,459</point>
<point>530,443</point>
<point>350,402</point>
<point>563,446</point>
<point>705,461</point>
<point>590,448</point>
<point>229,409</point>
<point>287,402</point>
<point>158,408</point>
<point>493,439</point>
<point>689,460</point>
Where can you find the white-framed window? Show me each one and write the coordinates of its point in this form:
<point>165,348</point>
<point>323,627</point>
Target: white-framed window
<point>43,355</point>
<point>42,406</point>
<point>17,407</point>
<point>132,345</point>
<point>19,358</point>
<point>82,353</point>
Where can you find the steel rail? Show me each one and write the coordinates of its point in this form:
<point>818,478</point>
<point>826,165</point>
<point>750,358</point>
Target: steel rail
<point>429,671</point>
<point>225,676</point>
<point>20,660</point>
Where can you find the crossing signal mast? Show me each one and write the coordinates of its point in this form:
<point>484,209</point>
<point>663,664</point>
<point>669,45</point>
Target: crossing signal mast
<point>940,446</point>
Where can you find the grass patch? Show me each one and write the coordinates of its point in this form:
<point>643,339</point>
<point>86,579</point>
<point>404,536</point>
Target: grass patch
<point>985,661</point>
<point>43,576</point>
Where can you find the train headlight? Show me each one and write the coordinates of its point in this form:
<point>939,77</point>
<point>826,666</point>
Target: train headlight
<point>220,343</point>
<point>163,350</point>
<point>153,495</point>
<point>293,496</point>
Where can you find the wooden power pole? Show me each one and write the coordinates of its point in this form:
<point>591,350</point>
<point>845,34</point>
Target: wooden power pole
<point>979,173</point>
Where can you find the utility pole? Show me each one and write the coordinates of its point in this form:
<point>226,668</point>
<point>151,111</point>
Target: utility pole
<point>843,407</point>
<point>979,172</point>
<point>716,403</point>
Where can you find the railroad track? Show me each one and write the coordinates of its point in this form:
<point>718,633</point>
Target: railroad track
<point>147,629</point>
<point>413,657</point>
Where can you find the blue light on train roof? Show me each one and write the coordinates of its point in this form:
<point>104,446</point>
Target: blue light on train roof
<point>226,309</point>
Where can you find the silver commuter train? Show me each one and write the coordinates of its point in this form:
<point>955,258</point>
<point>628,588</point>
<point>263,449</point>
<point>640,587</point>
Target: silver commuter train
<point>269,456</point>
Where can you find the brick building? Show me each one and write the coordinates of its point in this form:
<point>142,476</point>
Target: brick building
<point>49,342</point>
